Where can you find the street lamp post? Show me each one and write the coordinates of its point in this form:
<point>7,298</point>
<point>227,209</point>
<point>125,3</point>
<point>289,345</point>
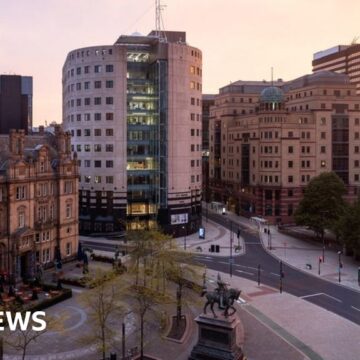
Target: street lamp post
<point>340,265</point>
<point>322,213</point>
<point>281,276</point>
<point>184,227</point>
<point>231,246</point>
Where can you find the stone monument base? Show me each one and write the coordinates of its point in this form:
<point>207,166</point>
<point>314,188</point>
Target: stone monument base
<point>219,338</point>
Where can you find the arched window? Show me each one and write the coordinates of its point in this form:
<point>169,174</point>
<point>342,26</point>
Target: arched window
<point>21,217</point>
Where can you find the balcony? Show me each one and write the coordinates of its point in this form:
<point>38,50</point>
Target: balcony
<point>44,224</point>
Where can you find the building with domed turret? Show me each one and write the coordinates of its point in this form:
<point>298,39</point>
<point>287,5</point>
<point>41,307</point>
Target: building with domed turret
<point>268,140</point>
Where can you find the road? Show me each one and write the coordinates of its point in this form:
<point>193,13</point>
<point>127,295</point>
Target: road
<point>338,299</point>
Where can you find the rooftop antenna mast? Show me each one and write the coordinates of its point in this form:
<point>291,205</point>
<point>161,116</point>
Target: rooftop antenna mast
<point>159,24</point>
<point>272,76</point>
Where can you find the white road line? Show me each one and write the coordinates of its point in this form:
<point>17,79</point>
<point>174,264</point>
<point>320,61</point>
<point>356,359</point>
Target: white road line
<point>275,274</point>
<point>241,301</point>
<point>355,308</point>
<point>307,296</point>
<point>334,298</point>
<point>245,272</point>
<point>223,262</point>
<point>202,259</point>
<point>331,297</point>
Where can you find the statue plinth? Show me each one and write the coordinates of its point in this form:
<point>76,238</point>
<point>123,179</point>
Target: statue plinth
<point>219,338</point>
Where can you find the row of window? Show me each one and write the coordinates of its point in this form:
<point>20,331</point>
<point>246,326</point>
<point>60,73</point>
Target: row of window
<point>43,189</point>
<point>82,53</point>
<point>44,213</point>
<point>194,70</point>
<point>98,179</point>
<point>195,146</point>
<point>109,68</point>
<point>96,147</point>
<point>97,100</point>
<point>193,177</point>
<point>192,163</point>
<point>86,85</point>
<point>195,86</point>
<point>87,132</point>
<point>97,163</point>
<point>192,132</point>
<point>87,116</point>
<point>195,101</point>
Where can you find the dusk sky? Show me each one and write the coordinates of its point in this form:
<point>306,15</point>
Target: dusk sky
<point>240,39</point>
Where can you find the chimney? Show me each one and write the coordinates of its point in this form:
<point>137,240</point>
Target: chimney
<point>21,140</point>
<point>13,142</point>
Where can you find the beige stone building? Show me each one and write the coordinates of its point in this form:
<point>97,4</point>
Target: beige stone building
<point>134,112</point>
<point>38,201</point>
<point>343,59</point>
<point>268,142</point>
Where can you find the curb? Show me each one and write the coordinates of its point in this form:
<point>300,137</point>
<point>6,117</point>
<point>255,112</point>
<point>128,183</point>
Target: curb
<point>188,330</point>
<point>302,270</point>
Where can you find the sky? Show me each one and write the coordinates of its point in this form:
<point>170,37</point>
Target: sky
<point>240,39</point>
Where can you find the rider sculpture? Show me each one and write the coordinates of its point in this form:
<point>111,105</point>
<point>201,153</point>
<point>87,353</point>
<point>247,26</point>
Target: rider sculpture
<point>223,297</point>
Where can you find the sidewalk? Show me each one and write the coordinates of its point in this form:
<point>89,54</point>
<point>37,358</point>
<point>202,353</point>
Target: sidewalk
<point>214,235</point>
<point>300,254</point>
<point>295,252</point>
<point>313,331</point>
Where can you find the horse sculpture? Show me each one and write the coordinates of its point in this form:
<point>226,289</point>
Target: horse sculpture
<point>226,300</point>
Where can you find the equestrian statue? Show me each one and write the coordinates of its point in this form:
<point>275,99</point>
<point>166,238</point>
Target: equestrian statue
<point>223,296</point>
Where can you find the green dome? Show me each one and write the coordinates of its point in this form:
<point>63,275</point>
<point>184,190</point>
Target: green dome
<point>272,94</point>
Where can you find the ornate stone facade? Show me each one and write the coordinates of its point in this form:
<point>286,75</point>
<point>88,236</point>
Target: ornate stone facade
<point>38,201</point>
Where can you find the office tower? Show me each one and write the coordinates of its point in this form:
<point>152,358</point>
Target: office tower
<point>15,103</point>
<point>343,59</point>
<point>134,113</point>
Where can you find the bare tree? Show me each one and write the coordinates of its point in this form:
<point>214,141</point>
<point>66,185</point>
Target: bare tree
<point>103,305</point>
<point>21,340</point>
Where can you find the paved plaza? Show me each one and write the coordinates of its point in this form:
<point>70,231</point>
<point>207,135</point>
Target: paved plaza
<point>277,326</point>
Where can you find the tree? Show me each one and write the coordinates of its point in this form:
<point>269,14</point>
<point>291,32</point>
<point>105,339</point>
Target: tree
<point>21,340</point>
<point>349,228</point>
<point>103,305</point>
<point>322,204</point>
<point>155,262</point>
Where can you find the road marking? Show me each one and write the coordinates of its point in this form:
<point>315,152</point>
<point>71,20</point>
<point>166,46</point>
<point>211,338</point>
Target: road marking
<point>245,272</point>
<point>241,301</point>
<point>331,297</point>
<point>355,308</point>
<point>307,296</point>
<point>275,274</point>
<point>202,259</point>
<point>223,262</point>
<point>334,298</point>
